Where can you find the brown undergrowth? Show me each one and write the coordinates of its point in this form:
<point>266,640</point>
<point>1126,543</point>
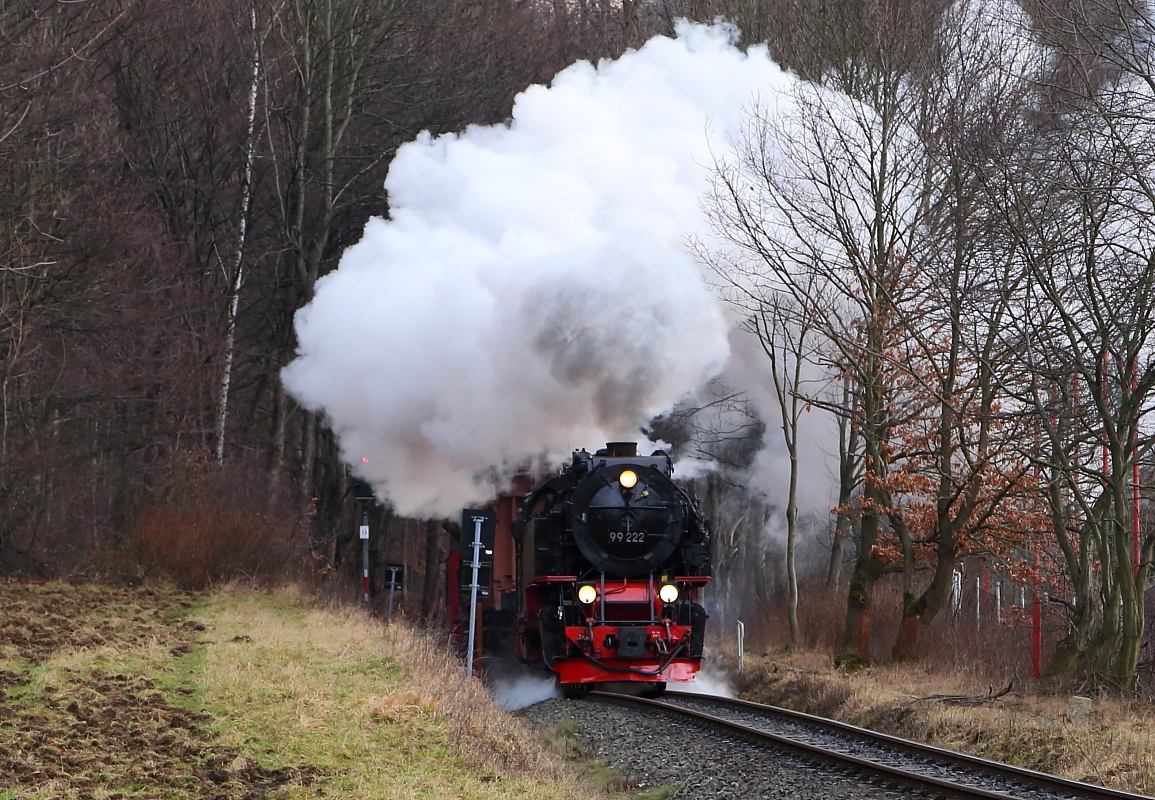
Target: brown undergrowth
<point>1028,727</point>
<point>204,525</point>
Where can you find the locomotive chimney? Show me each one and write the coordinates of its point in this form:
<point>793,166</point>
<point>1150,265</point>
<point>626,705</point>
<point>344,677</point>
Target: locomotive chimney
<point>622,449</point>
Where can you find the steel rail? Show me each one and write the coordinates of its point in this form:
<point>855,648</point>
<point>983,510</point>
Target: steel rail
<point>1030,779</point>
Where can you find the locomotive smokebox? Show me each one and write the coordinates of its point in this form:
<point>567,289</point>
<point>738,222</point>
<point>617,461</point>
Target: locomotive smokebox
<point>621,449</point>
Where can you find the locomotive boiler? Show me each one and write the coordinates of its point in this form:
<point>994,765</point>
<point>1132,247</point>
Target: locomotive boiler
<point>605,563</point>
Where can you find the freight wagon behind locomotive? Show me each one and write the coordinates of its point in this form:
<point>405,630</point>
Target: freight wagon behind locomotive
<point>596,573</point>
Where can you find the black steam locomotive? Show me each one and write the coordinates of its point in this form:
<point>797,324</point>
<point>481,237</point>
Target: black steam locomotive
<point>611,556</point>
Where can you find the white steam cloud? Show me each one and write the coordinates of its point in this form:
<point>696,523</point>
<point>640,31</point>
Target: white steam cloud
<point>707,681</point>
<point>531,292</point>
<point>520,690</point>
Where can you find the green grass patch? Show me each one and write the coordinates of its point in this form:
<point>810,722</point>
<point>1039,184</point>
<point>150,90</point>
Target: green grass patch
<point>183,681</point>
<point>378,714</point>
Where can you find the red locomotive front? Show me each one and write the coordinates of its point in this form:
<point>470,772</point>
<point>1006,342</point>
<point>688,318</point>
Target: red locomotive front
<point>609,560</point>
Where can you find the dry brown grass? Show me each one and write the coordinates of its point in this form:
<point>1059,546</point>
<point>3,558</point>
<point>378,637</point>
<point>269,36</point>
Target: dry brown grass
<point>959,656</point>
<point>1029,728</point>
<point>491,739</point>
<point>384,711</point>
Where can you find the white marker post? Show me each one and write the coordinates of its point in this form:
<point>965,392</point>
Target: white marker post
<point>741,645</point>
<point>978,603</point>
<point>473,587</point>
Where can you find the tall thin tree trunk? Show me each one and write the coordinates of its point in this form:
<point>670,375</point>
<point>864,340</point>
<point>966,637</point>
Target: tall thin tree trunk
<point>238,270</point>
<point>308,453</point>
<point>847,480</point>
<point>4,425</point>
<point>791,546</point>
<point>277,450</point>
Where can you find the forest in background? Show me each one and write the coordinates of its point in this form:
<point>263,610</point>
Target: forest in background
<point>176,181</point>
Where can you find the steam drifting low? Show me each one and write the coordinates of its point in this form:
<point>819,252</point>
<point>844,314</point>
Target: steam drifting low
<point>531,292</point>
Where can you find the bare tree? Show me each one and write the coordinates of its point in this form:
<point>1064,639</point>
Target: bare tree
<point>784,330</point>
<point>825,206</point>
<point>864,208</point>
<point>1080,203</point>
<point>963,477</point>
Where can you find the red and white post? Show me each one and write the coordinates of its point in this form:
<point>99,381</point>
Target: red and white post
<point>365,555</point>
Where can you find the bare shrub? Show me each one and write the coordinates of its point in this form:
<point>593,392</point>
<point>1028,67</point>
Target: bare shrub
<point>988,650</point>
<point>778,686</point>
<point>207,524</point>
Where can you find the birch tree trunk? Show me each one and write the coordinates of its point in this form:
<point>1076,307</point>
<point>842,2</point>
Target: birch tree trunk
<point>238,266</point>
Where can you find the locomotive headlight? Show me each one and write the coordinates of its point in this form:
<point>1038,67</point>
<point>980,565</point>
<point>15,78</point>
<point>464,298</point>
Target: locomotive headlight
<point>587,594</point>
<point>628,479</point>
<point>668,593</point>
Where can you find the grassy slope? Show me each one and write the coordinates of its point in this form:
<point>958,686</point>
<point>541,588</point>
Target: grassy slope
<point>242,694</point>
<point>380,716</point>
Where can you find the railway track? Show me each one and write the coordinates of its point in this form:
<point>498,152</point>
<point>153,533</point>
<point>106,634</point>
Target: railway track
<point>880,759</point>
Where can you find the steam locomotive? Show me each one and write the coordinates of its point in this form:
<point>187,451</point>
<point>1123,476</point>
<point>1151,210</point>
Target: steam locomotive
<point>595,574</point>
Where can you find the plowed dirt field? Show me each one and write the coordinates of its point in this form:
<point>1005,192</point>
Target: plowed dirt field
<point>77,721</point>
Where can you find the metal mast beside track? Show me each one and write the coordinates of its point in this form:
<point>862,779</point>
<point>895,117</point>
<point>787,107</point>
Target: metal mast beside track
<point>484,523</point>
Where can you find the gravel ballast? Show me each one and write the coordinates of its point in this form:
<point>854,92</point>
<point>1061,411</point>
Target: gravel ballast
<point>767,720</point>
<point>652,749</point>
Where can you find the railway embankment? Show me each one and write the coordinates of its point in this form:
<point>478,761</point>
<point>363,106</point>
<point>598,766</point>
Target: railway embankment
<point>115,693</point>
<point>1032,725</point>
